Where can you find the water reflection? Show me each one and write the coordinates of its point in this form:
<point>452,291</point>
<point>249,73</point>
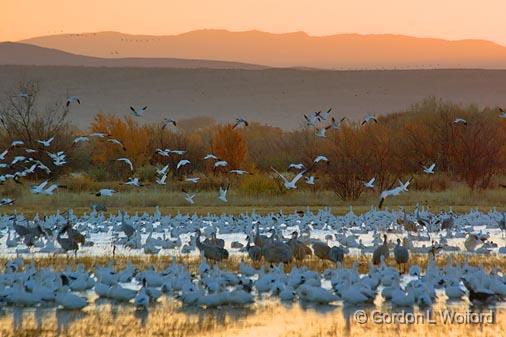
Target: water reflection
<point>267,318</point>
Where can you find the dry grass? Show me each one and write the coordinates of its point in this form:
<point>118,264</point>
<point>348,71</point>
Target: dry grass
<point>146,199</point>
<point>161,262</point>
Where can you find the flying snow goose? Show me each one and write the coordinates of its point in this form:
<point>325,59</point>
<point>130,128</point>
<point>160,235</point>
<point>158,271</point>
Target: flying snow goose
<point>17,143</point>
<point>193,180</point>
<point>139,111</point>
<point>161,180</point>
<point>134,181</point>
<point>178,152</point>
<point>321,132</point>
<point>72,99</point>
<point>403,187</point>
<point>370,183</point>
<point>126,161</point>
<point>47,142</point>
<point>290,184</point>
<point>239,121</point>
<point>168,122</point>
<point>320,158</point>
<point>336,124</point>
<point>369,118</point>
<point>3,154</point>
<point>210,156</point>
<point>311,119</point>
<point>503,113</point>
<point>163,170</point>
<point>7,202</point>
<point>310,180</point>
<point>105,192</point>
<point>223,193</point>
<point>429,169</point>
<point>297,166</point>
<point>189,197</point>
<point>323,116</point>
<point>238,172</point>
<point>182,162</point>
<point>220,163</point>
<point>116,142</point>
<point>81,139</point>
<point>98,134</point>
<point>460,121</point>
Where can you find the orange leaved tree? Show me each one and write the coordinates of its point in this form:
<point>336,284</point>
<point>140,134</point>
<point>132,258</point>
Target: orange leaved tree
<point>137,141</point>
<point>228,144</point>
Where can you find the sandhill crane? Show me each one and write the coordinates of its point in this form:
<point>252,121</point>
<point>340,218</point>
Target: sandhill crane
<point>299,250</point>
<point>210,252</point>
<point>254,252</point>
<point>214,241</point>
<point>125,227</point>
<point>259,239</point>
<point>325,252</point>
<point>67,244</point>
<point>73,234</point>
<point>275,251</point>
<point>381,251</point>
<point>502,223</point>
<point>401,254</point>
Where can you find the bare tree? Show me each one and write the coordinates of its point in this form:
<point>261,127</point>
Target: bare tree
<point>21,117</point>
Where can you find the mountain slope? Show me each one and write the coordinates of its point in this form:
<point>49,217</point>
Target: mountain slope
<point>288,50</point>
<point>26,54</point>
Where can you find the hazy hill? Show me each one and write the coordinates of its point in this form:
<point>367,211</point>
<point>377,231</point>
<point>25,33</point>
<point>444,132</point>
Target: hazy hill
<point>288,50</point>
<point>26,54</point>
<point>274,96</point>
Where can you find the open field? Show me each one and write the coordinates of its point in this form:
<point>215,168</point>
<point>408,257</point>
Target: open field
<point>277,97</point>
<point>459,199</point>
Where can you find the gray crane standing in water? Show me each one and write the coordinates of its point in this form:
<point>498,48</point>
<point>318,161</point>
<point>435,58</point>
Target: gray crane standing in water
<point>254,252</point>
<point>210,252</point>
<point>381,251</point>
<point>401,255</point>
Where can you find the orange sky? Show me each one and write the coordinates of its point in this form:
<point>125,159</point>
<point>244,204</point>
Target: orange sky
<point>451,19</point>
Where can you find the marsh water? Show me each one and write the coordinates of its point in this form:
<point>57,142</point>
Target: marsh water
<point>267,317</point>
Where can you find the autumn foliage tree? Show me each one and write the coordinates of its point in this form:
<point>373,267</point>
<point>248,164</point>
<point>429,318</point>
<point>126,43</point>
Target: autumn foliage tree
<point>228,144</point>
<point>137,140</point>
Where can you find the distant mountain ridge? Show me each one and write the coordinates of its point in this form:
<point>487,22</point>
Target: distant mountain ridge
<point>298,49</point>
<point>27,54</point>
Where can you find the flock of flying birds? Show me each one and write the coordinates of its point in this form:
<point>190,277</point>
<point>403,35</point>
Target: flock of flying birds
<point>26,165</point>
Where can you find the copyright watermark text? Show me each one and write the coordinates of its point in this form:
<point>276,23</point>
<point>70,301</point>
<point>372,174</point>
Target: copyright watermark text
<point>424,317</point>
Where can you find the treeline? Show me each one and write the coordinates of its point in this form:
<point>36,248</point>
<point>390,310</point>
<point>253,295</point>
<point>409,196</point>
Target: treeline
<point>395,147</point>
